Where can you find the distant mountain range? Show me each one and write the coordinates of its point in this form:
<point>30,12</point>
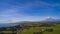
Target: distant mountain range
<point>7,24</point>
<point>45,20</point>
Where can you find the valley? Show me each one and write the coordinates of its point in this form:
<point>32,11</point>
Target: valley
<point>32,28</point>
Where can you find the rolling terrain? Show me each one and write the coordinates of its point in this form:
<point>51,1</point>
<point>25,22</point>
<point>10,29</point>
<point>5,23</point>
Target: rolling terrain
<point>26,27</point>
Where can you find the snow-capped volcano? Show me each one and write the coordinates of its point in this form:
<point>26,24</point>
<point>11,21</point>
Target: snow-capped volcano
<point>50,19</point>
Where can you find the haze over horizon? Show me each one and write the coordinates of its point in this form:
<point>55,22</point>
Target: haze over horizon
<point>28,10</point>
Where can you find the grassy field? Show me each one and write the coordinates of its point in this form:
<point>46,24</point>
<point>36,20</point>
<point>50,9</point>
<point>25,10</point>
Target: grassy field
<point>38,29</point>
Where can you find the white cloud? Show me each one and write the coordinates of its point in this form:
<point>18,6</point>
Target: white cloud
<point>17,13</point>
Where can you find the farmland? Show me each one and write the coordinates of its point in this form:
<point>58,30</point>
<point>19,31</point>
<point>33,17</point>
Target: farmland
<point>56,30</point>
<point>35,28</point>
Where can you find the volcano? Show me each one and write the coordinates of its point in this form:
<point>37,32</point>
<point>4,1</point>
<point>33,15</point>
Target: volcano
<point>51,19</point>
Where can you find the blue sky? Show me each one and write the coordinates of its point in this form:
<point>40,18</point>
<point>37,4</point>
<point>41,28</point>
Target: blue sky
<point>28,10</point>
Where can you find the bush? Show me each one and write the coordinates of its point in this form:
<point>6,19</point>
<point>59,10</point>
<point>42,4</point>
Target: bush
<point>38,32</point>
<point>49,30</point>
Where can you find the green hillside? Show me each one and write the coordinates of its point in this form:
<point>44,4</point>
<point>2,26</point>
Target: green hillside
<point>56,30</point>
<point>35,28</point>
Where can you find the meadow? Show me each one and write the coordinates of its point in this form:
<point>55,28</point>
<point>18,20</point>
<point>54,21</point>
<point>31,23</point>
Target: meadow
<point>35,28</point>
<point>32,30</point>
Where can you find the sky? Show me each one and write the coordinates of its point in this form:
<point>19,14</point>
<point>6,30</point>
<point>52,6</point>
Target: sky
<point>28,10</point>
